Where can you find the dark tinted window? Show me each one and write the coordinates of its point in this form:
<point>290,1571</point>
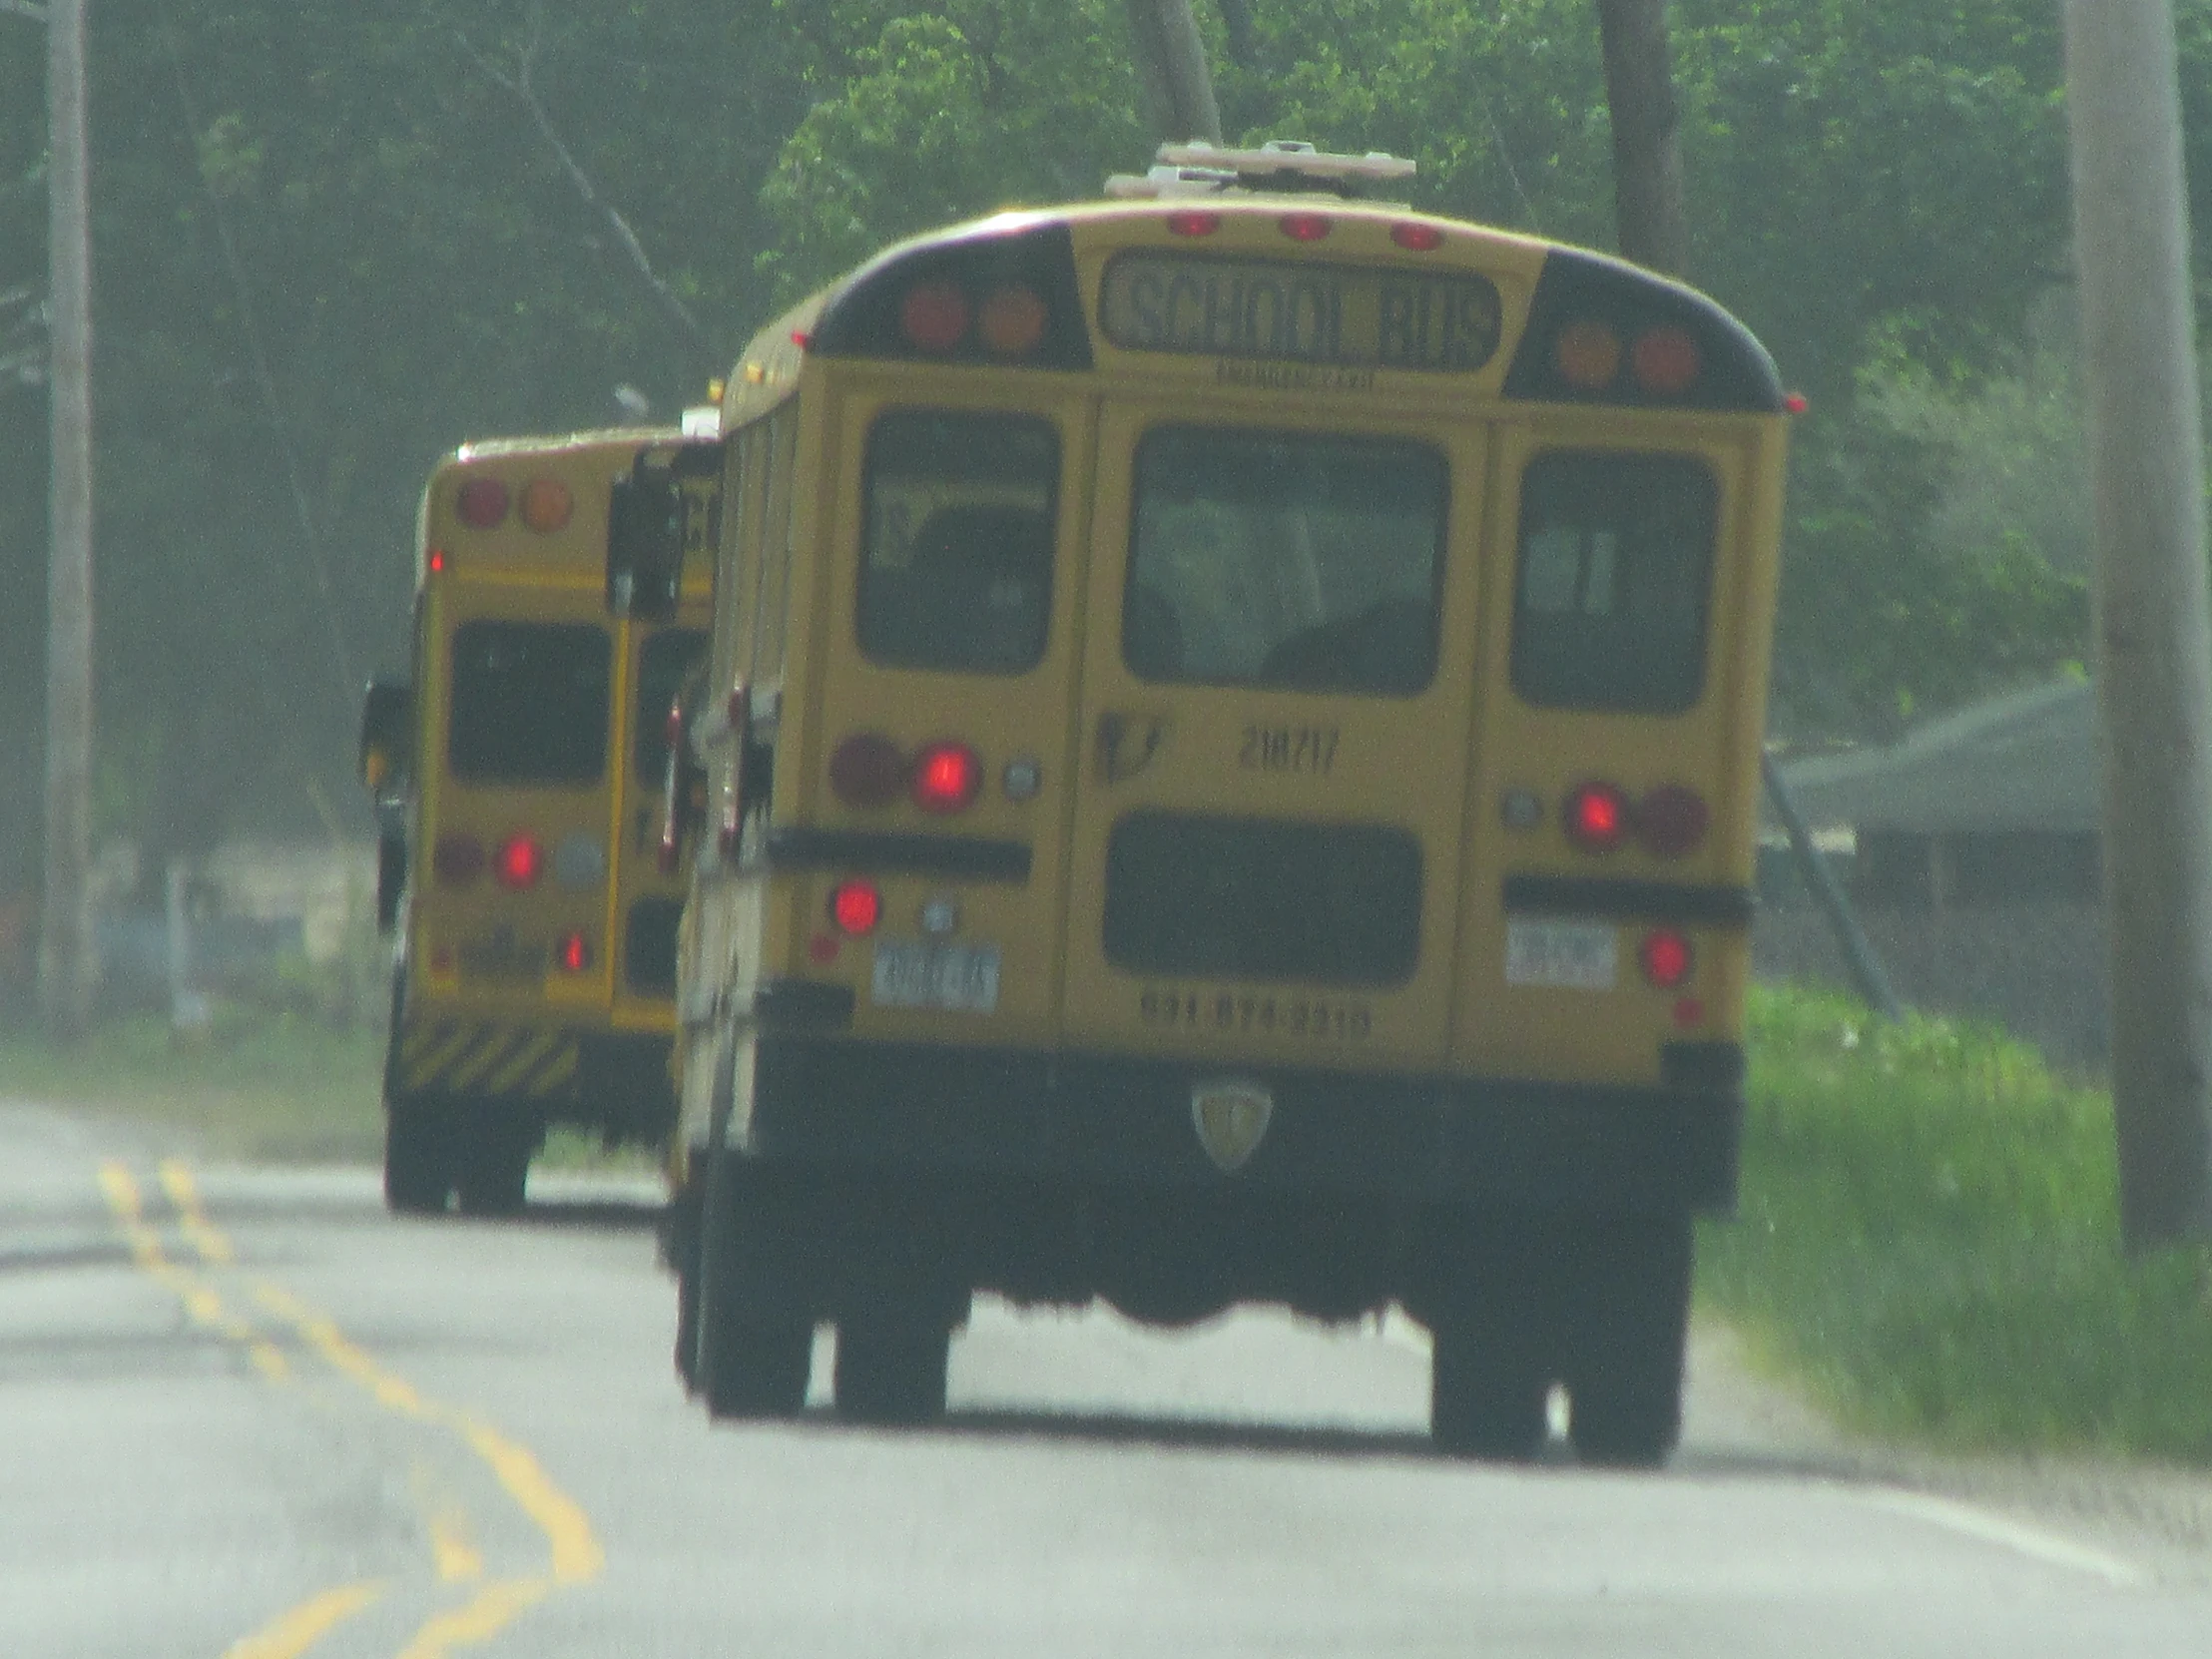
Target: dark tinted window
<point>956,555</point>
<point>1616,565</point>
<point>1284,559</point>
<point>649,947</point>
<point>662,664</point>
<point>529,703</point>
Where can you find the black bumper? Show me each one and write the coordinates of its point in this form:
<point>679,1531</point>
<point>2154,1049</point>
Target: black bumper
<point>1125,1123</point>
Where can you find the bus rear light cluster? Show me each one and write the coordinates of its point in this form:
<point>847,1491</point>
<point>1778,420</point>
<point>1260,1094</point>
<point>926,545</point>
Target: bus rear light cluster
<point>1663,360</point>
<point>1667,823</point>
<point>1666,959</point>
<point>936,317</point>
<point>871,771</point>
<point>545,504</point>
<point>855,907</point>
<point>519,862</point>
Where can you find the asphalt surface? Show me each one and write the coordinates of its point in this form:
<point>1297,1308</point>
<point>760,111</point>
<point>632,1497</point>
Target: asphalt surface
<point>245,1413</point>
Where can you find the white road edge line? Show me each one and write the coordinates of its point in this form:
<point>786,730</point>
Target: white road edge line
<point>1992,1529</point>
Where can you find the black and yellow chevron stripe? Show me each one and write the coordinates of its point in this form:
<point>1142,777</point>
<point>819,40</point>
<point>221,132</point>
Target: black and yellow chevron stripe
<point>485,1058</point>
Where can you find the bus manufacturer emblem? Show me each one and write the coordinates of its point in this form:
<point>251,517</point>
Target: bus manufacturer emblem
<point>1230,1115</point>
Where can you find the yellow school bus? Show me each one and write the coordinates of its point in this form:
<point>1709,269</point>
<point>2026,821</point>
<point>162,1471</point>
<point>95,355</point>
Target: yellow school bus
<point>519,779</point>
<point>1231,738</point>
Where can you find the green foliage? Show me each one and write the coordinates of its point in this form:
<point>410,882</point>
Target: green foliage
<point>1928,1232</point>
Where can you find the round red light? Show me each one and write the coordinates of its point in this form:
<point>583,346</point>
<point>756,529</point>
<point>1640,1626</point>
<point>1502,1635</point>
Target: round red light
<point>1665,361</point>
<point>457,859</point>
<point>573,953</point>
<point>519,863</point>
<point>1796,403</point>
<point>1665,957</point>
<point>947,778</point>
<point>1191,222</point>
<point>856,906</point>
<point>934,316</point>
<point>1304,227</point>
<point>1420,239</point>
<point>1596,816</point>
<point>437,560</point>
<point>1671,819</point>
<point>868,771</point>
<point>482,503</point>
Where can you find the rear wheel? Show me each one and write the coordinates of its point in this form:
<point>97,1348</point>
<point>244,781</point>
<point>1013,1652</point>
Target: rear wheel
<point>755,1339</point>
<point>494,1174</point>
<point>891,1369</point>
<point>418,1163</point>
<point>1628,1305</point>
<point>1493,1357</point>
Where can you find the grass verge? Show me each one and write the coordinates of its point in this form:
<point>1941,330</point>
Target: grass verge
<point>1928,1236</point>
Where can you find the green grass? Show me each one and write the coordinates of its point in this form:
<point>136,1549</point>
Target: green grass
<point>265,1086</point>
<point>1929,1238</point>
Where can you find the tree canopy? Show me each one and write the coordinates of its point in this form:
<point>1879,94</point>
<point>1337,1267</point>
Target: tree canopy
<point>332,241</point>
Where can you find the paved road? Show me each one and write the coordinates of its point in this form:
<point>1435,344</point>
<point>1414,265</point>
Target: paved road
<point>243,1413</point>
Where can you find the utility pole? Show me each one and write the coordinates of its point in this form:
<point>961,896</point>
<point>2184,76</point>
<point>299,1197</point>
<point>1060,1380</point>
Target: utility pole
<point>65,932</point>
<point>1647,153</point>
<point>1172,72</point>
<point>2154,637</point>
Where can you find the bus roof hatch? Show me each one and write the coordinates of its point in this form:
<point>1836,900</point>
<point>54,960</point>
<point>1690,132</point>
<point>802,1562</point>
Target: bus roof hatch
<point>1279,167</point>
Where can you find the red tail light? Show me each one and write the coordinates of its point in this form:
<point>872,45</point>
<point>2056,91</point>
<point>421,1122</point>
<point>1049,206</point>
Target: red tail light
<point>947,778</point>
<point>573,953</point>
<point>1665,959</point>
<point>856,906</point>
<point>519,863</point>
<point>437,560</point>
<point>1304,227</point>
<point>457,859</point>
<point>482,503</point>
<point>867,770</point>
<point>1192,222</point>
<point>1671,821</point>
<point>934,316</point>
<point>1597,817</point>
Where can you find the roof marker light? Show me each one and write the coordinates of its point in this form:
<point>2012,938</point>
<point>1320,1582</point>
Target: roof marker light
<point>1304,227</point>
<point>1418,239</point>
<point>1192,222</point>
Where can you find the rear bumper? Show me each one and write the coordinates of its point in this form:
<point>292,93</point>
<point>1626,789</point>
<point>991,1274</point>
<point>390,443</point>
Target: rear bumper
<point>612,1081</point>
<point>1123,1123</point>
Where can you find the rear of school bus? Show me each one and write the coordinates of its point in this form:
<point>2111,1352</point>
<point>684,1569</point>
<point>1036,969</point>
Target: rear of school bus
<point>535,967</point>
<point>1263,806</point>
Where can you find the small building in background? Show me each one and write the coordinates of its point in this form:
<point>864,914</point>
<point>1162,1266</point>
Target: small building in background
<point>1970,850</point>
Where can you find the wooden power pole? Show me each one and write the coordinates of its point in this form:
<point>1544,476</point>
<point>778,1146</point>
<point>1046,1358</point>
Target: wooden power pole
<point>65,956</point>
<point>1170,69</point>
<point>2154,637</point>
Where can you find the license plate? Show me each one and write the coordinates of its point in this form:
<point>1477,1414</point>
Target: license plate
<point>1573,955</point>
<point>912,974</point>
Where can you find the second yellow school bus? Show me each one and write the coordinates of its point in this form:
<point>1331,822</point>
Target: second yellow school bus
<point>519,776</point>
<point>1230,735</point>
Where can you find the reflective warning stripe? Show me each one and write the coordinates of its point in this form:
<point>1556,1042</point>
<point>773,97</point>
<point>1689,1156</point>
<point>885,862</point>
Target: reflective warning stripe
<point>468,1057</point>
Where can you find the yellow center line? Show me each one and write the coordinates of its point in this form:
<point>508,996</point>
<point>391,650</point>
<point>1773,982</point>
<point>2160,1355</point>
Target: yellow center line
<point>192,1220</point>
<point>293,1633</point>
<point>479,1621</point>
<point>200,1301</point>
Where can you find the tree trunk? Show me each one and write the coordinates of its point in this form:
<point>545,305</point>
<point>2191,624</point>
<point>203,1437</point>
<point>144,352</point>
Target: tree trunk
<point>2154,644</point>
<point>64,958</point>
<point>1647,153</point>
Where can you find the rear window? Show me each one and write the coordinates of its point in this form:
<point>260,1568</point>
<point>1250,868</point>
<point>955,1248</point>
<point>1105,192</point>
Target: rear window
<point>957,546</point>
<point>1283,558</point>
<point>529,703</point>
<point>1615,573</point>
<point>666,657</point>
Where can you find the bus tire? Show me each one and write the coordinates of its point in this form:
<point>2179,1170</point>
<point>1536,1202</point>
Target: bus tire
<point>1492,1357</point>
<point>755,1342</point>
<point>1629,1306</point>
<point>891,1369</point>
<point>494,1174</point>
<point>419,1164</point>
